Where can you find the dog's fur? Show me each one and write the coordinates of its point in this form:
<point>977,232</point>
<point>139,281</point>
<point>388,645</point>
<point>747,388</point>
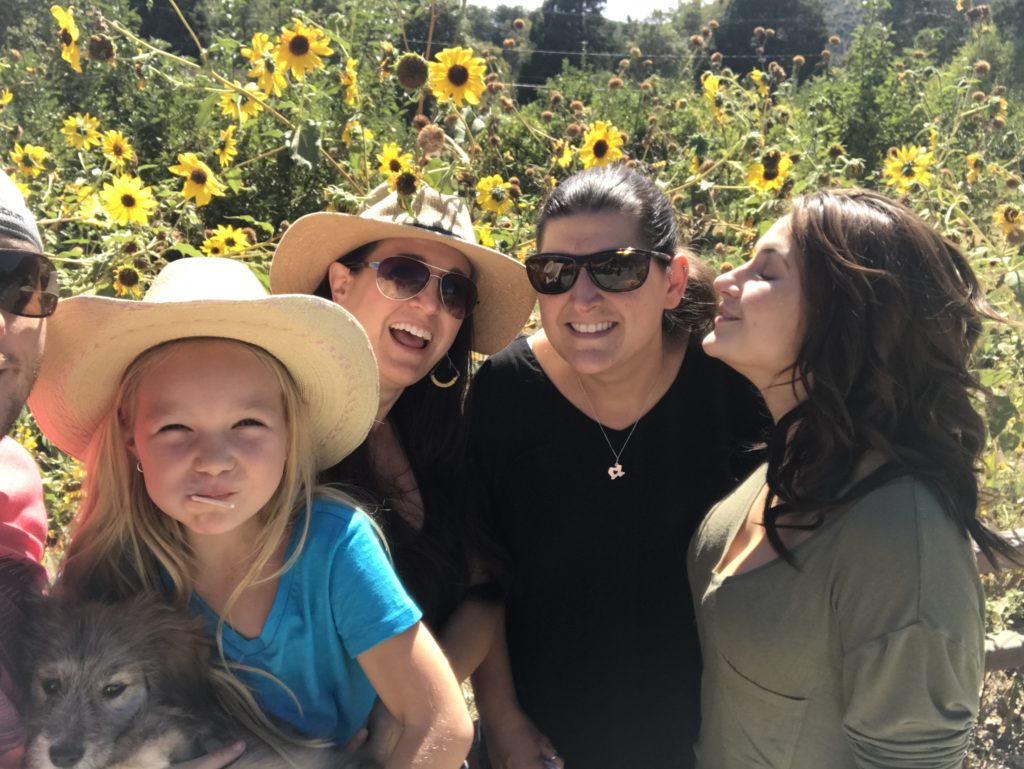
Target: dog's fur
<point>127,686</point>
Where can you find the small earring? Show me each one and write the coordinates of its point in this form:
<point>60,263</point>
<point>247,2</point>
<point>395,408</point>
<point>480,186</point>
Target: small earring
<point>444,385</point>
<point>138,466</point>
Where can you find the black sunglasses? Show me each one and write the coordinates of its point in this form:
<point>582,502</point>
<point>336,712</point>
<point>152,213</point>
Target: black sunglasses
<point>403,277</point>
<point>619,269</point>
<point>29,285</point>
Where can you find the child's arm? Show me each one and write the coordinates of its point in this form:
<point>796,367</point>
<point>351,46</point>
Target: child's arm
<point>413,679</point>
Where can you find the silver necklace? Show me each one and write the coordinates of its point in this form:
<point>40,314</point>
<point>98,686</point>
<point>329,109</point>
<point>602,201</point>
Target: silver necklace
<point>615,471</point>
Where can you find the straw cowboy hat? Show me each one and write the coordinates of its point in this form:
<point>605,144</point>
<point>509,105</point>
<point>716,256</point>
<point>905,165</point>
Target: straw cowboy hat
<point>91,341</point>
<point>313,242</point>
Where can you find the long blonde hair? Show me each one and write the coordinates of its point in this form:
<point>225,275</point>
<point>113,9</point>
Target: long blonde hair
<point>123,544</point>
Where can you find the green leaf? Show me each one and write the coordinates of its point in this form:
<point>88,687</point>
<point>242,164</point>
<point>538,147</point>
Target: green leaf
<point>1015,281</point>
<point>304,144</point>
<point>1000,411</point>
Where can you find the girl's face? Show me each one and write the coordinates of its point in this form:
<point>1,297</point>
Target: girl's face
<point>209,420</point>
<point>760,323</point>
<point>409,336</point>
<point>599,331</point>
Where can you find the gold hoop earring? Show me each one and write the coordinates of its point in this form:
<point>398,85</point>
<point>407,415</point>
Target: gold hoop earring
<point>451,382</point>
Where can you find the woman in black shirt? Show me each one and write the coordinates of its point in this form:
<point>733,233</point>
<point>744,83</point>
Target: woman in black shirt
<point>599,443</point>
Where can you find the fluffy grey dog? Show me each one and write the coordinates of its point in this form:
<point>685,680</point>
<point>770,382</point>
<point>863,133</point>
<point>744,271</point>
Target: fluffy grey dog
<point>128,686</point>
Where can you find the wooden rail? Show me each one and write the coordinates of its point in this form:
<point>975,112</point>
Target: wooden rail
<point>1004,650</point>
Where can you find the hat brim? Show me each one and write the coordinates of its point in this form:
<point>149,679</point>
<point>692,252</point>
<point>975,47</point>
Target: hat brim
<point>313,242</point>
<point>92,340</point>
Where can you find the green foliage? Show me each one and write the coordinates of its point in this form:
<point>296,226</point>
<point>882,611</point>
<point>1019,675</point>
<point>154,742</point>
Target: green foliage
<point>757,31</point>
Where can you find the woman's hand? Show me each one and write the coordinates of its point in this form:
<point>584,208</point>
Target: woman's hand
<point>513,742</point>
<point>384,731</point>
<point>215,760</point>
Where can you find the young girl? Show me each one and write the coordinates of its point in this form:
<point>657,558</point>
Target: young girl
<point>202,414</point>
<point>837,594</point>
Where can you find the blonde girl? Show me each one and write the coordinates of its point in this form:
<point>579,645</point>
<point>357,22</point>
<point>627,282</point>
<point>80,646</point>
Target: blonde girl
<point>202,415</point>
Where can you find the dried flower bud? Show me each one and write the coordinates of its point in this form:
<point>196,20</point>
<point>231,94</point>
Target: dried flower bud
<point>623,64</point>
<point>834,40</point>
<point>576,105</point>
<point>759,32</point>
<point>646,85</point>
<point>519,23</point>
<point>725,267</point>
<point>798,61</point>
<point>508,42</point>
<point>615,83</point>
<point>696,42</point>
<point>547,116</point>
<point>420,122</point>
<point>978,97</point>
<point>705,31</point>
<point>716,57</point>
<point>981,68</point>
<point>769,33</point>
<point>713,24</point>
<point>430,140</point>
<point>826,54</point>
<point>573,130</point>
<point>555,97</point>
<point>495,86</point>
<point>635,52</point>
<point>282,227</point>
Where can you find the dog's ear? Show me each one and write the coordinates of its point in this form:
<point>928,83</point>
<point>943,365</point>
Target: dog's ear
<point>179,652</point>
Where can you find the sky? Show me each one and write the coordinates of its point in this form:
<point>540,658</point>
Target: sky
<point>616,10</point>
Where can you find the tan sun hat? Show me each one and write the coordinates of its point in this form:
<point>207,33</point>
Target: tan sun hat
<point>91,341</point>
<point>313,242</point>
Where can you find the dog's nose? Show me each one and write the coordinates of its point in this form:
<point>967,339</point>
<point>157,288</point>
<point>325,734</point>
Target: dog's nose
<point>66,754</point>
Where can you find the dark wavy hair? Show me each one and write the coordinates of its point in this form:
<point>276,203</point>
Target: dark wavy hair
<point>620,189</point>
<point>430,427</point>
<point>892,315</point>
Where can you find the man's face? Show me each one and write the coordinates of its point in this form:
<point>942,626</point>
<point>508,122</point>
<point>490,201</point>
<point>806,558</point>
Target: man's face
<point>21,349</point>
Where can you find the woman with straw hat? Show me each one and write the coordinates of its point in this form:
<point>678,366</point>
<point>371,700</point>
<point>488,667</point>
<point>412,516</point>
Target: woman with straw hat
<point>203,414</point>
<point>412,274</point>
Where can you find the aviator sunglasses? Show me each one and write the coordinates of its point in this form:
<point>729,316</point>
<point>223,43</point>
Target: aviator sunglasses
<point>619,269</point>
<point>29,286</point>
<point>403,277</point>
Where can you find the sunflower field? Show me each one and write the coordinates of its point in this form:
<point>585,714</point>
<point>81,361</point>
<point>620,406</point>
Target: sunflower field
<point>135,148</point>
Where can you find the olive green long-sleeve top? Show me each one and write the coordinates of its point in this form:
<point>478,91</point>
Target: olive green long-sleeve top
<point>868,655</point>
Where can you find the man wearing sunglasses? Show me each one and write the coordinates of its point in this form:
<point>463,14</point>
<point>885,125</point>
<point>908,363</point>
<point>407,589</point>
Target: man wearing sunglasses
<point>25,278</point>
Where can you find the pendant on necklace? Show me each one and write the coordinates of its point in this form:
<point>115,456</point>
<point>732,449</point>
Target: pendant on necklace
<point>616,471</point>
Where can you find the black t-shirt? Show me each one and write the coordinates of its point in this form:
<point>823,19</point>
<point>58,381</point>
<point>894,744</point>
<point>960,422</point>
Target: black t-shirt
<point>601,630</point>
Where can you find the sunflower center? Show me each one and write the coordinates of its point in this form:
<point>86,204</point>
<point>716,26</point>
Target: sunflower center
<point>268,65</point>
<point>230,242</point>
<point>770,173</point>
<point>600,148</point>
<point>65,38</point>
<point>498,194</point>
<point>458,75</point>
<point>117,149</point>
<point>395,166</point>
<point>299,45</point>
<point>128,201</point>
<point>406,184</point>
<point>128,277</point>
<point>198,176</point>
<point>908,171</point>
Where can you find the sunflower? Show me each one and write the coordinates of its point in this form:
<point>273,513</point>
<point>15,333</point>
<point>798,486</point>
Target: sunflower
<point>5,97</point>
<point>354,131</point>
<point>348,78</point>
<point>117,149</point>
<point>300,49</point>
<point>213,247</point>
<point>405,183</point>
<point>1011,221</point>
<point>492,194</point>
<point>770,172</point>
<point>233,238</point>
<point>713,88</point>
<point>563,153</point>
<point>29,159</point>
<point>265,70</point>
<point>393,161</point>
<point>127,281</point>
<point>457,75</point>
<point>975,167</point>
<point>241,107</point>
<point>67,37</point>
<point>906,166</point>
<point>483,235</point>
<point>23,188</point>
<point>90,207</point>
<point>200,183</point>
<point>126,201</point>
<point>81,131</point>
<point>228,147</point>
<point>601,145</point>
<point>758,79</point>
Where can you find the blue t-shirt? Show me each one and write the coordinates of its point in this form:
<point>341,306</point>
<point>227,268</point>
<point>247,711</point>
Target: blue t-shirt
<point>340,598</point>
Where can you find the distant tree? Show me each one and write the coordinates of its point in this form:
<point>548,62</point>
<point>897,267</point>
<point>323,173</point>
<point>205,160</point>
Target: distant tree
<point>562,30</point>
<point>908,19</point>
<point>789,27</point>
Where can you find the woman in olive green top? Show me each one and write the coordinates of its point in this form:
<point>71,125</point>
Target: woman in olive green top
<point>837,594</point>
